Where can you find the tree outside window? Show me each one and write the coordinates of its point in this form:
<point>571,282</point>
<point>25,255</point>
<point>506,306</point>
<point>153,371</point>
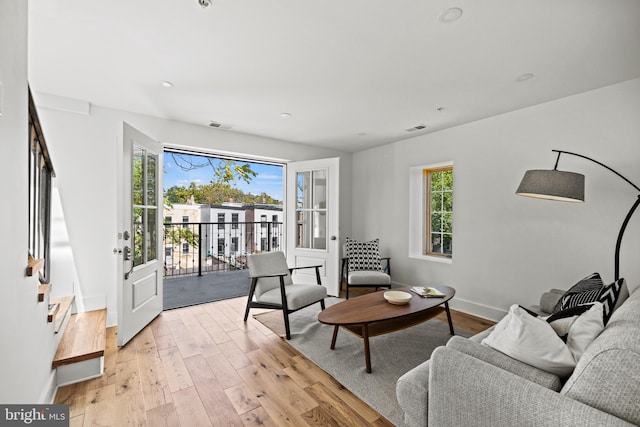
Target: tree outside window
<point>439,211</point>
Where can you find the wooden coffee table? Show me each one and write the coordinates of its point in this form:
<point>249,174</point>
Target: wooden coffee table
<point>371,315</point>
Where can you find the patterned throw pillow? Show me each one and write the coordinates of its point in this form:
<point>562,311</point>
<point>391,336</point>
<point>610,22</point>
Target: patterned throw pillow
<point>363,256</point>
<point>572,297</point>
<point>609,298</point>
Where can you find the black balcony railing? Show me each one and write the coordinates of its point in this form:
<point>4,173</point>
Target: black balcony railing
<point>197,248</point>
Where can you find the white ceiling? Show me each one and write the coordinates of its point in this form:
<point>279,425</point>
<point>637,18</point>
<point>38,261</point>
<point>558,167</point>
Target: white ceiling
<point>353,74</point>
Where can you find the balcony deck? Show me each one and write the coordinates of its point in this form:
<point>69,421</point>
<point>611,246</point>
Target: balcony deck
<point>183,291</point>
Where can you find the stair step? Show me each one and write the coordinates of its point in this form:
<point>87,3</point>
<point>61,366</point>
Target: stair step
<point>83,338</point>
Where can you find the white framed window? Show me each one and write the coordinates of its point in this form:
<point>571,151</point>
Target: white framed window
<point>431,212</point>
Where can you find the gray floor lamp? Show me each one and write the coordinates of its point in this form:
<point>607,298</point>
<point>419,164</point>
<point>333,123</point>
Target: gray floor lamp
<point>569,187</point>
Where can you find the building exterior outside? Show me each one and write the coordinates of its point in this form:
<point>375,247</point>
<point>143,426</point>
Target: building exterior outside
<point>201,238</point>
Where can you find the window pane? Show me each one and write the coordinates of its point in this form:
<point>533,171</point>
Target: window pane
<point>152,218</point>
<point>138,236</point>
<point>447,201</point>
<point>447,180</point>
<point>319,189</point>
<point>436,181</point>
<point>436,202</point>
<point>447,222</point>
<point>302,231</point>
<point>436,222</point>
<point>436,243</point>
<point>448,245</point>
<point>152,167</point>
<point>302,191</point>
<point>138,176</point>
<point>319,230</point>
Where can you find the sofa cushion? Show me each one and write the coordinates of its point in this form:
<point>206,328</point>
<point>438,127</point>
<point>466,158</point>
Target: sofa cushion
<point>531,340</point>
<point>502,361</point>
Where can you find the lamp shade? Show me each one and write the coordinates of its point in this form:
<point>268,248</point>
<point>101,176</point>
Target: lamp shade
<point>552,185</point>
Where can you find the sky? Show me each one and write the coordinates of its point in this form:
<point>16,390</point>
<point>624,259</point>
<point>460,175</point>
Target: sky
<point>268,178</point>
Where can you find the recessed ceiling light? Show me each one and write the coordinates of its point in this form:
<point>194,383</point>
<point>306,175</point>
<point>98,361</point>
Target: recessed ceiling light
<point>166,83</point>
<point>450,15</point>
<point>285,115</point>
<point>525,77</point>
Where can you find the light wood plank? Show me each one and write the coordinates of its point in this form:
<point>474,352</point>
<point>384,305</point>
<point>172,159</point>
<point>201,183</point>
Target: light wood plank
<point>175,369</point>
<point>101,407</point>
<point>220,409</point>
<point>190,409</point>
<point>163,416</point>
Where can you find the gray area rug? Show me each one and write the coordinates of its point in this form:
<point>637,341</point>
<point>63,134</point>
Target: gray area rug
<point>391,355</point>
<point>192,290</point>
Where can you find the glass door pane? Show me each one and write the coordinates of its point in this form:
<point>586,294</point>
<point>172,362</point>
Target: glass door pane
<point>145,205</point>
<point>311,209</point>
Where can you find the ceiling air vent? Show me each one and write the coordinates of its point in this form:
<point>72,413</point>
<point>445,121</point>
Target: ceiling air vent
<point>219,125</point>
<point>419,127</point>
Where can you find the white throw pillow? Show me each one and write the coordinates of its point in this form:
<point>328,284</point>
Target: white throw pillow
<point>533,341</point>
<point>584,330</point>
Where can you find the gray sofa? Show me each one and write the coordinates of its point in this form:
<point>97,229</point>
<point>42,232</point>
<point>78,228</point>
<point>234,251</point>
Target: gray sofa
<point>466,383</point>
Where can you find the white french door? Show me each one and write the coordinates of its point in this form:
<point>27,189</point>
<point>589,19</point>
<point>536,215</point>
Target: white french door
<point>139,233</point>
<point>312,195</point>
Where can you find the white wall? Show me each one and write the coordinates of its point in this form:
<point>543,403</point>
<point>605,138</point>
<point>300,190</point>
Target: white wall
<point>84,148</point>
<point>27,339</point>
<point>510,249</point>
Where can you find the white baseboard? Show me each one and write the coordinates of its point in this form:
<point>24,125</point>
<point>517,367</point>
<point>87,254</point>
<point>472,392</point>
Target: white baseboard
<point>480,310</point>
<point>49,393</point>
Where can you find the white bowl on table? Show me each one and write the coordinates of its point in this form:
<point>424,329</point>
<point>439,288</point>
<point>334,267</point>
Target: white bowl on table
<point>397,297</point>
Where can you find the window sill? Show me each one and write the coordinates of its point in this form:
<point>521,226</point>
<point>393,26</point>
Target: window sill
<point>442,260</point>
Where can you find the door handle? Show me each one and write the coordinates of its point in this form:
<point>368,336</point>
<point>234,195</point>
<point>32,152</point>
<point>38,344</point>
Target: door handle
<point>127,257</point>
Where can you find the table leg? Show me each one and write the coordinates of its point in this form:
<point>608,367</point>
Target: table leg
<point>335,335</point>
<point>367,354</point>
<point>446,307</point>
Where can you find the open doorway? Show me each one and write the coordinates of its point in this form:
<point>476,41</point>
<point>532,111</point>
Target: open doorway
<point>218,210</point>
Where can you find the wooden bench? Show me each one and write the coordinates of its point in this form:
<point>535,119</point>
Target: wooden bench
<point>80,354</point>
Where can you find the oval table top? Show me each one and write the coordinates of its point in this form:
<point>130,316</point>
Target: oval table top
<point>373,307</point>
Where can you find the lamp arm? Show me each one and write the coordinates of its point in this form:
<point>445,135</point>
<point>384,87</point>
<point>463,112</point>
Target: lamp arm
<point>621,233</point>
<point>596,162</point>
<point>626,219</point>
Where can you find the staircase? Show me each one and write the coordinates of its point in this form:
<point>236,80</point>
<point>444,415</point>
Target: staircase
<point>80,354</point>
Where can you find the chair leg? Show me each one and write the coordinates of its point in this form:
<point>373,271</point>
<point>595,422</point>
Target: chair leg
<point>286,324</point>
<point>347,290</point>
<point>250,297</point>
<point>322,304</point>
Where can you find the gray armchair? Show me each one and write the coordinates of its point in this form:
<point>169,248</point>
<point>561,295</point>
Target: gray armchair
<point>273,287</point>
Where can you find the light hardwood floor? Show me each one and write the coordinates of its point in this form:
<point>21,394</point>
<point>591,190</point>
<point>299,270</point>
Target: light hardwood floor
<point>203,366</point>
